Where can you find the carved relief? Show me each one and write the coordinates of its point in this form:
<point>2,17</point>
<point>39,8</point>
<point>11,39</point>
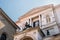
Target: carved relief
<point>1,24</point>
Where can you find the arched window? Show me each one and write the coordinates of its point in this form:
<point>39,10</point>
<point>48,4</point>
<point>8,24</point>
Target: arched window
<point>3,36</point>
<point>48,19</point>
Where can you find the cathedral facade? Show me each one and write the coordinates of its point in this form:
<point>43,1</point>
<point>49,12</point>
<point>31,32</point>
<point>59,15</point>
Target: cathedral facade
<point>41,23</point>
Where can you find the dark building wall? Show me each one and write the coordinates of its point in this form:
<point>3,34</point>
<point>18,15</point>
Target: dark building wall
<point>6,27</point>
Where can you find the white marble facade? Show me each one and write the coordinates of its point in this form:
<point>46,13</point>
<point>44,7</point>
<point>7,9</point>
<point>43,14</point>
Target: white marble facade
<point>47,20</point>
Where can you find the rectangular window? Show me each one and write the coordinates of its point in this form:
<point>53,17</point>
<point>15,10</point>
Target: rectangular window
<point>36,23</point>
<point>29,21</point>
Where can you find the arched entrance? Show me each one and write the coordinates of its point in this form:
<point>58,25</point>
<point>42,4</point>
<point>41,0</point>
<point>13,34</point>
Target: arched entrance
<point>3,36</point>
<point>26,38</point>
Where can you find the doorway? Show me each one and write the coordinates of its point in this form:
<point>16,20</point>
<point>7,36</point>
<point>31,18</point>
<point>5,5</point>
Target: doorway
<point>3,36</point>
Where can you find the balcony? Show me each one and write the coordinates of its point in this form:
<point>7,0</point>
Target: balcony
<point>48,25</point>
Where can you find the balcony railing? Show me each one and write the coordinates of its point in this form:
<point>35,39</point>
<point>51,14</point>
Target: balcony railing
<point>48,25</point>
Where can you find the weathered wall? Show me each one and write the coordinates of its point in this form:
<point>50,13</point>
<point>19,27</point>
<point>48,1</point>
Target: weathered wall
<point>7,28</point>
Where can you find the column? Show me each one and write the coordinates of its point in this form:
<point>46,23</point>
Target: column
<point>39,21</point>
<point>31,23</point>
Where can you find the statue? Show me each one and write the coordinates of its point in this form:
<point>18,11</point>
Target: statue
<point>27,26</point>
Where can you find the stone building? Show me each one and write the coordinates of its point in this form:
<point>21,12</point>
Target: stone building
<point>41,23</point>
<point>7,27</point>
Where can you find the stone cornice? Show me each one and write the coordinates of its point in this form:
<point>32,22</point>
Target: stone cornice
<point>36,10</point>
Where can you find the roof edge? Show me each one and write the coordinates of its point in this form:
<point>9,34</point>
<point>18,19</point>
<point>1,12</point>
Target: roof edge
<point>38,8</point>
<point>8,18</point>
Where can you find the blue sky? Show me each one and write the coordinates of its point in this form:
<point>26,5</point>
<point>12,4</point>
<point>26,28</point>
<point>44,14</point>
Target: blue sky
<point>16,8</point>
